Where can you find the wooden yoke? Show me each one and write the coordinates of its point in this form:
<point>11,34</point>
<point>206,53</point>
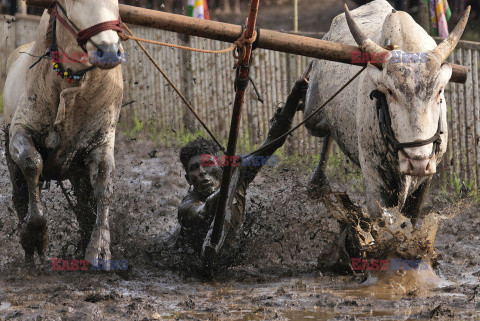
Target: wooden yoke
<point>269,39</point>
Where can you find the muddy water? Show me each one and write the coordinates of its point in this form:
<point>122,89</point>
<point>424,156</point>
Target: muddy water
<point>276,276</point>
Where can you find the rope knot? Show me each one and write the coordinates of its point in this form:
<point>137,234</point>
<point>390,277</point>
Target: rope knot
<point>122,35</point>
<point>241,45</point>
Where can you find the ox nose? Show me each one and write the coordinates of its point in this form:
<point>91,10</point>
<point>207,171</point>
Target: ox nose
<point>417,165</point>
<point>107,56</point>
<point>420,167</point>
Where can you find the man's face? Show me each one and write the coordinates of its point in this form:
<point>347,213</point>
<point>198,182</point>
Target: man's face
<point>205,179</point>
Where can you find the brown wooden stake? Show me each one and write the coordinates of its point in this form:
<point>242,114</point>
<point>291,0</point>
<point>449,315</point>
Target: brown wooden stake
<point>269,39</point>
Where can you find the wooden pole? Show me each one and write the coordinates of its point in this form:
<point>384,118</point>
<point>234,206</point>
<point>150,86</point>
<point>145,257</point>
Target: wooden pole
<point>295,15</point>
<point>210,253</point>
<point>269,39</point>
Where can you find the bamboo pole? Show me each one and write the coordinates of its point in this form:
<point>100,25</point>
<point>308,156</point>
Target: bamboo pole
<point>210,253</point>
<point>269,39</point>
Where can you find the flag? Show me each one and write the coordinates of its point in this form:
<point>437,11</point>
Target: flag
<point>198,9</point>
<point>440,13</point>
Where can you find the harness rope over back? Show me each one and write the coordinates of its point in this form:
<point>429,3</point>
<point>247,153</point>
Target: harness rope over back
<point>385,124</point>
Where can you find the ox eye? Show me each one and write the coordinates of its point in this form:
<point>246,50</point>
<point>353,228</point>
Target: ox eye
<point>390,92</point>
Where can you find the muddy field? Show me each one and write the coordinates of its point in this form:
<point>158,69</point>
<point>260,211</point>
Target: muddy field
<point>276,276</point>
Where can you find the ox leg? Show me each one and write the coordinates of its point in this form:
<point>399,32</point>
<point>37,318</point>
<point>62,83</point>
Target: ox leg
<point>414,203</point>
<point>85,209</point>
<point>319,181</point>
<point>101,165</point>
<point>24,156</point>
<point>377,195</point>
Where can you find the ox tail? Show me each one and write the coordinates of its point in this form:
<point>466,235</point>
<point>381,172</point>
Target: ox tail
<point>306,75</point>
<point>7,140</point>
<point>308,69</point>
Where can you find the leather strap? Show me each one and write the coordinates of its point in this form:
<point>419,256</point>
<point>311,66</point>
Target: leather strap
<point>84,35</point>
<point>388,135</point>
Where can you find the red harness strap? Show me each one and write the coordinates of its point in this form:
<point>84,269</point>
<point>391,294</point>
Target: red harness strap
<point>83,36</point>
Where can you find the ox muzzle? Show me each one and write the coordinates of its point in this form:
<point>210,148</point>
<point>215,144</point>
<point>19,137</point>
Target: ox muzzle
<point>107,55</point>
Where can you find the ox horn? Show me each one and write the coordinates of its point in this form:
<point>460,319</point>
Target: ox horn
<point>365,43</point>
<point>447,46</point>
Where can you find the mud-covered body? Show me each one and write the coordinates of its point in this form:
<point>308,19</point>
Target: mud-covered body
<point>59,130</point>
<point>351,118</point>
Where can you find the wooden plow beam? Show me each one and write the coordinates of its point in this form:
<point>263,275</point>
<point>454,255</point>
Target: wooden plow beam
<point>269,39</point>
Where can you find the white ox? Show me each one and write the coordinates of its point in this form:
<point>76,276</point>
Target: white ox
<point>414,94</point>
<point>59,129</point>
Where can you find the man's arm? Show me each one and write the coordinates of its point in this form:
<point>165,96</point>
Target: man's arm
<point>242,176</point>
<point>193,213</point>
<point>280,124</point>
<point>282,120</point>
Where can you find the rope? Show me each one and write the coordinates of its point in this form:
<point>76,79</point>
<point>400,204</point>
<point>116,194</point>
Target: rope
<point>240,44</point>
<point>125,37</point>
<point>310,116</point>
<point>131,36</point>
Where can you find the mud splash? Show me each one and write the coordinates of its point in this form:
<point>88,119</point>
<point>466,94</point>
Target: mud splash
<point>276,276</point>
<point>391,238</point>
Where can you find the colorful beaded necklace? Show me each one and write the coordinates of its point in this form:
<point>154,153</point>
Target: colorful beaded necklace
<point>67,74</point>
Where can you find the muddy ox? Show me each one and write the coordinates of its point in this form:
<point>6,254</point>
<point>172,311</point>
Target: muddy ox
<point>61,119</point>
<point>397,164</point>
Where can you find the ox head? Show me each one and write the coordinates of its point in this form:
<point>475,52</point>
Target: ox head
<point>414,92</point>
<point>104,49</point>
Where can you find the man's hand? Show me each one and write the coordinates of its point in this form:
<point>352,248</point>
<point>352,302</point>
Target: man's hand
<point>300,88</point>
<point>210,206</point>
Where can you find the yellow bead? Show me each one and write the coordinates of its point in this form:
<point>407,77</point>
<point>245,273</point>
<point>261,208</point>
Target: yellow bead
<point>56,66</point>
<point>66,73</point>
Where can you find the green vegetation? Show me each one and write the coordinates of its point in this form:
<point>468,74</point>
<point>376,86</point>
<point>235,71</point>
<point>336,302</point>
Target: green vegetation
<point>134,132</point>
<point>455,188</point>
<point>1,103</point>
<point>339,168</point>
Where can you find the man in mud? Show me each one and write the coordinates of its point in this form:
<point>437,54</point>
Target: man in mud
<point>200,161</point>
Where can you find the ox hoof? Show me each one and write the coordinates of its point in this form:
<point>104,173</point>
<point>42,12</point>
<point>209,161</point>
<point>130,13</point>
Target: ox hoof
<point>33,237</point>
<point>29,260</point>
<point>98,250</point>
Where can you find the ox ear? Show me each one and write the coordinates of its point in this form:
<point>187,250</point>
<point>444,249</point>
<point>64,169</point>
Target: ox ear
<point>375,74</point>
<point>445,74</point>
